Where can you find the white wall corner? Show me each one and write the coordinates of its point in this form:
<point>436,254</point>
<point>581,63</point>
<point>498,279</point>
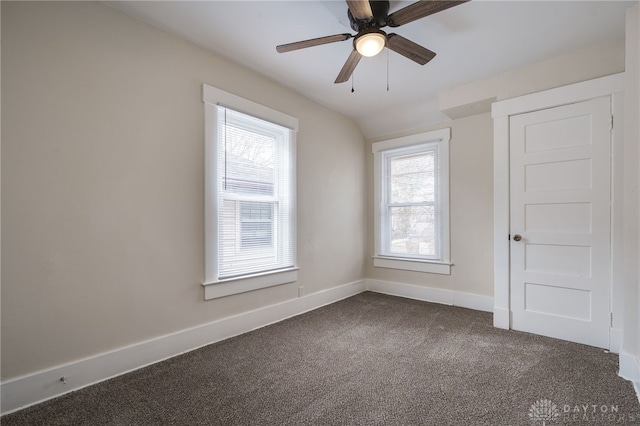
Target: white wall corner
<point>38,387</point>
<point>629,367</point>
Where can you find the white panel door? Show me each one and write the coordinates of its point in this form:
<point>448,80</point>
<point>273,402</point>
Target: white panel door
<point>561,222</point>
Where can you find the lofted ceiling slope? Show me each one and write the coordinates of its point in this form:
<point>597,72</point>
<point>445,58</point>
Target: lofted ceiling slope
<point>473,41</point>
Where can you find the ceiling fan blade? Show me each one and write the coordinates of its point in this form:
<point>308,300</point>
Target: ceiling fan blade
<point>419,10</point>
<point>312,42</point>
<point>409,49</point>
<point>348,67</point>
<point>360,9</point>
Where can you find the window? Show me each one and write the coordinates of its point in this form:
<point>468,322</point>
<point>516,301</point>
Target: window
<point>412,202</point>
<point>250,195</point>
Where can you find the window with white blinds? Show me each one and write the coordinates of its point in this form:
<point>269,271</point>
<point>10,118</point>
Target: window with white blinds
<point>250,205</point>
<point>412,220</point>
<point>255,195</point>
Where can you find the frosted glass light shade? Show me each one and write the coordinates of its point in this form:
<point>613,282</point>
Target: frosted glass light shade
<point>370,44</point>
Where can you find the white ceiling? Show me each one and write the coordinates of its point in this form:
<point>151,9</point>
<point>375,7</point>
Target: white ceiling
<point>473,41</point>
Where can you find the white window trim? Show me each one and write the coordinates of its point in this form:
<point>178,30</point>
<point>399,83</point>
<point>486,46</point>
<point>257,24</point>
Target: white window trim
<point>231,286</point>
<point>214,287</point>
<point>443,266</point>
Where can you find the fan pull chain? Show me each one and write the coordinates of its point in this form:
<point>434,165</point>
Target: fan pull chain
<point>387,70</point>
<point>352,89</point>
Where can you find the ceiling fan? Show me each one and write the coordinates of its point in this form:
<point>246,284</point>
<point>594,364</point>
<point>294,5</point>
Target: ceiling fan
<point>366,18</point>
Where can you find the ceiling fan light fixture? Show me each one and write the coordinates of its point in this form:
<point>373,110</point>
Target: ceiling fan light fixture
<point>371,43</point>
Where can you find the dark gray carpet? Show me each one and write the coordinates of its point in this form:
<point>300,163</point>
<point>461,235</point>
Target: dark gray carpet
<point>370,359</point>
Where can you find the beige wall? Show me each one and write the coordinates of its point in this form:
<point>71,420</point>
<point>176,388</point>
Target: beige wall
<point>102,184</point>
<point>471,212</point>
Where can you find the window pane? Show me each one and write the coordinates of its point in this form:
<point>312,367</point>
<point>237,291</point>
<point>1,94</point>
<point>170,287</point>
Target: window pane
<point>256,211</point>
<point>256,234</point>
<point>249,163</point>
<point>413,230</point>
<point>256,225</point>
<point>412,178</point>
<point>247,231</point>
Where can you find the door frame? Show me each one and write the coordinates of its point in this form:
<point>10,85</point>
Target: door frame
<point>501,112</point>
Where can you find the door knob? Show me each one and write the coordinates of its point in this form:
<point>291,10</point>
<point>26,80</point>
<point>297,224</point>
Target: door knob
<point>517,237</point>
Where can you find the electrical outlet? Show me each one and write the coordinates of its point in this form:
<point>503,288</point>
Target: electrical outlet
<point>301,291</point>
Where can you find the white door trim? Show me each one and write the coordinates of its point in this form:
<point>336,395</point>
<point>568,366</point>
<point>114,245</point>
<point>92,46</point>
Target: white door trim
<point>501,111</point>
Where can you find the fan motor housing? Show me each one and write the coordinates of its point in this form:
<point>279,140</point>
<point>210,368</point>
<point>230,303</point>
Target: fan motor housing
<point>380,11</point>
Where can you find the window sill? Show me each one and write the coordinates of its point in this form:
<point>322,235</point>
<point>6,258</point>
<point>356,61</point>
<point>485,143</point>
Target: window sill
<point>412,265</point>
<point>238,285</point>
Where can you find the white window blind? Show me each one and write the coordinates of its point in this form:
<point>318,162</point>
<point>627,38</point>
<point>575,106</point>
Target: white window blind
<point>255,195</point>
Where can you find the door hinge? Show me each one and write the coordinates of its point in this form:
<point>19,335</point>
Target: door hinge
<point>611,122</point>
<point>610,319</point>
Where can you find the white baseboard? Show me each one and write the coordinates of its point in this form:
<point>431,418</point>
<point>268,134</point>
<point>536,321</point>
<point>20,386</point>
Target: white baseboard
<point>429,294</point>
<point>473,301</point>
<point>630,370</point>
<point>34,388</point>
<point>40,386</point>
